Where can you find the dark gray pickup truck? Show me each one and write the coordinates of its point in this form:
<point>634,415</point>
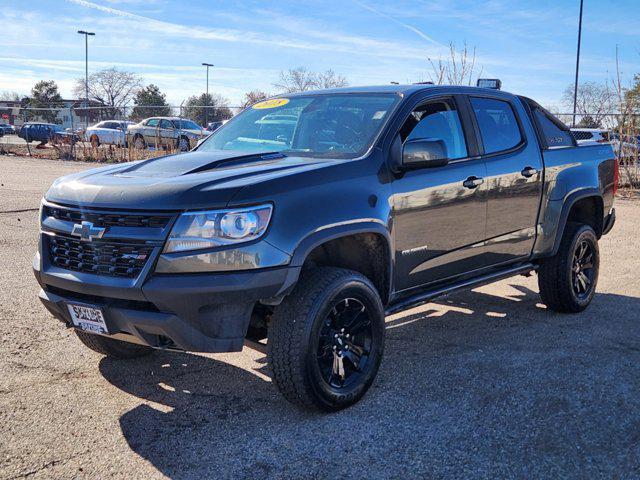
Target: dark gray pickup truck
<point>307,218</point>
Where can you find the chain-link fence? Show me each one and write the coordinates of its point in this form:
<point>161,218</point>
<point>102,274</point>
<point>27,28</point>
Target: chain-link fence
<point>101,133</point>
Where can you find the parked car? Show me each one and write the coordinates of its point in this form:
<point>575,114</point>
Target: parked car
<point>213,126</point>
<point>6,129</point>
<point>108,132</point>
<point>162,132</point>
<point>593,135</point>
<point>40,132</point>
<point>353,204</point>
<point>626,151</point>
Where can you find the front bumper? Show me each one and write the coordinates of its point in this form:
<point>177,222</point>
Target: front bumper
<point>199,313</point>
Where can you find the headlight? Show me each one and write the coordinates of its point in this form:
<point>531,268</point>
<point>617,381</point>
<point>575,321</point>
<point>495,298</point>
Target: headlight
<point>198,230</point>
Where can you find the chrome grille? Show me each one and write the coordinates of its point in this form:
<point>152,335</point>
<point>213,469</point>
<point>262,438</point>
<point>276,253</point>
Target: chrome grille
<point>100,258</point>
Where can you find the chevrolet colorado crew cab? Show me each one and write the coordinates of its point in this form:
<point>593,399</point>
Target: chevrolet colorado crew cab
<point>303,221</point>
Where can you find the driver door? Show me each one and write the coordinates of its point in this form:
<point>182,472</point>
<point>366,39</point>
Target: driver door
<point>439,213</point>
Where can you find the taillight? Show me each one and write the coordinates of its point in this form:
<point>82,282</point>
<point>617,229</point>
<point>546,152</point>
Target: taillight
<point>616,176</point>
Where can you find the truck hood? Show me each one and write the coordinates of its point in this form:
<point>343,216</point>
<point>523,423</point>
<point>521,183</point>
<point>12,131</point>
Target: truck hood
<point>176,182</point>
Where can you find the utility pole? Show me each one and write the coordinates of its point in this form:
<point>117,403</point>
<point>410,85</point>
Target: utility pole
<point>86,74</point>
<point>206,111</point>
<point>575,85</point>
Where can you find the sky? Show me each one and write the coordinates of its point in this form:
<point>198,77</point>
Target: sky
<point>529,45</point>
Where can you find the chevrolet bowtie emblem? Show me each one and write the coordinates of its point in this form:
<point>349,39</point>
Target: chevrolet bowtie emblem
<point>87,232</point>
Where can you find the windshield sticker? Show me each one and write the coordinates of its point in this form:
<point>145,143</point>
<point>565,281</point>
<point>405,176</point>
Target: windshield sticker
<point>273,103</point>
<point>379,115</point>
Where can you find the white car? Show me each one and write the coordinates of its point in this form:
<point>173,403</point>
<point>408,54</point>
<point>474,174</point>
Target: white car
<point>627,150</point>
<point>591,135</point>
<point>108,132</point>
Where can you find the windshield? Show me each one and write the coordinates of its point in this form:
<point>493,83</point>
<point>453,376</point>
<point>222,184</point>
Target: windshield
<point>335,126</point>
<point>186,125</point>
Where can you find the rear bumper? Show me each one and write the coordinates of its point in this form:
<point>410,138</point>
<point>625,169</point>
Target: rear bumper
<point>609,222</point>
<point>200,313</point>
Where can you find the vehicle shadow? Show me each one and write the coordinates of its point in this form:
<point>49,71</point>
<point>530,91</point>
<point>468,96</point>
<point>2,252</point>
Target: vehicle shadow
<point>473,385</point>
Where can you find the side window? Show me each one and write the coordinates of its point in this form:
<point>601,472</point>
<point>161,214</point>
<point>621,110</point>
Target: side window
<point>438,120</point>
<point>553,131</point>
<point>153,122</point>
<point>165,124</point>
<point>497,123</point>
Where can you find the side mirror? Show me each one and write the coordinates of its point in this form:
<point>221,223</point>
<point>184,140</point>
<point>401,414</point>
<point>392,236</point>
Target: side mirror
<point>423,153</point>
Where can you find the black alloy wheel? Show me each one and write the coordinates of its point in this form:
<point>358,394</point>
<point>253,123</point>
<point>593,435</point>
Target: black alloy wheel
<point>345,343</point>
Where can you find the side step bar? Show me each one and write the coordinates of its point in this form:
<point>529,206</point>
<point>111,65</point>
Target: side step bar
<point>425,297</point>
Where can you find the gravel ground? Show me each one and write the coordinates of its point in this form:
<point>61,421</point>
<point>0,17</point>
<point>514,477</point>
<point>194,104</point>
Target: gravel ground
<point>483,384</point>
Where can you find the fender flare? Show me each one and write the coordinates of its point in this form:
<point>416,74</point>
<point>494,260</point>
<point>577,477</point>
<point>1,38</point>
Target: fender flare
<point>568,204</point>
<point>332,232</point>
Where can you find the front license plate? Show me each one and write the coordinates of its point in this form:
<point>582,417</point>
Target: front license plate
<point>87,318</point>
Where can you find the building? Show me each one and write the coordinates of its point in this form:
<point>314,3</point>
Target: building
<point>70,113</point>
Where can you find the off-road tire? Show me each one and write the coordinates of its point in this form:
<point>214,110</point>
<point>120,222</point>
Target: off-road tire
<point>111,347</point>
<point>300,318</point>
<point>555,275</point>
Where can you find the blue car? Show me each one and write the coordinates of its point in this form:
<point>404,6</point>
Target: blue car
<point>41,132</point>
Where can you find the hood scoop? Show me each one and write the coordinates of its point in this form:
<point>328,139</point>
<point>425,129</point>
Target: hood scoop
<point>195,162</point>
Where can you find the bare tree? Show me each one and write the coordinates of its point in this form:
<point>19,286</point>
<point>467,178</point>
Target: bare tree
<point>11,96</point>
<point>330,79</point>
<point>626,148</point>
<point>594,102</point>
<point>254,96</point>
<point>111,87</point>
<point>301,79</point>
<point>459,68</point>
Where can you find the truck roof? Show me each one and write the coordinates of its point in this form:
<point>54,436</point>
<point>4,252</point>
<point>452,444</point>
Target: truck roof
<point>399,89</point>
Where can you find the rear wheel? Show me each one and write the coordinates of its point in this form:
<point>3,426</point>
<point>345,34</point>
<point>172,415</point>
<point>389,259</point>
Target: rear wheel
<point>183,144</point>
<point>326,339</point>
<point>568,280</point>
<point>138,143</point>
<point>111,347</point>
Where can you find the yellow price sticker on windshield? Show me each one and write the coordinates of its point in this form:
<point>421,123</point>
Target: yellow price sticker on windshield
<point>273,103</point>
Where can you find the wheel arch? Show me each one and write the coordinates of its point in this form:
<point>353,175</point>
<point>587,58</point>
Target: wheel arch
<point>584,206</point>
<point>364,247</point>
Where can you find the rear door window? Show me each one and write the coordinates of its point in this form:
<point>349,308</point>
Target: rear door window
<point>498,125</point>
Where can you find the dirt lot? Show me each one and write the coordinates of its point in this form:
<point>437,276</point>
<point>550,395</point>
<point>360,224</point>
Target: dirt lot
<point>484,384</point>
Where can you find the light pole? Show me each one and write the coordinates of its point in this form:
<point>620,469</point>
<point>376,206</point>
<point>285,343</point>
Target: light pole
<point>575,85</point>
<point>86,75</point>
<point>206,111</point>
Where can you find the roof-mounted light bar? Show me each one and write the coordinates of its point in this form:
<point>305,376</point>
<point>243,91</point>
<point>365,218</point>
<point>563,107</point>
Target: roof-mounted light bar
<point>492,83</point>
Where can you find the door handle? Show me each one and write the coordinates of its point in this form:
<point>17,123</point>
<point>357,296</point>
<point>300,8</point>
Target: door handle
<point>528,172</point>
<point>473,182</point>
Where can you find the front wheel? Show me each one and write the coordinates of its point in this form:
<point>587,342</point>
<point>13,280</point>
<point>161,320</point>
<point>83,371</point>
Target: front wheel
<point>326,339</point>
<point>568,280</point>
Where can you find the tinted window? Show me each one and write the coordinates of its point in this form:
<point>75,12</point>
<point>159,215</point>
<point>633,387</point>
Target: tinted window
<point>328,125</point>
<point>437,121</point>
<point>165,124</point>
<point>498,125</point>
<point>555,134</point>
<point>186,125</point>
<point>153,122</point>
